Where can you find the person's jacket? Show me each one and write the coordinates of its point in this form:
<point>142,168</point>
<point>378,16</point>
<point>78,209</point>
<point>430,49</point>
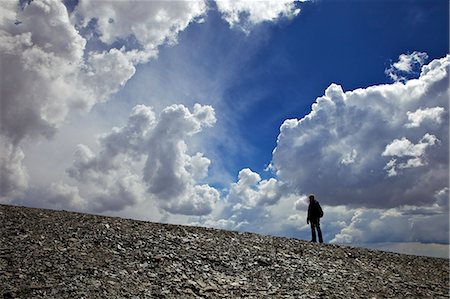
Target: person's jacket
<point>313,210</point>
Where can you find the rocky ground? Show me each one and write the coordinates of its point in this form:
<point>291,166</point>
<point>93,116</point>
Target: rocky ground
<point>57,254</point>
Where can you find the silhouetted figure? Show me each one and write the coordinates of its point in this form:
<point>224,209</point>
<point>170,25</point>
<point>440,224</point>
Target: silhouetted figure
<point>314,214</point>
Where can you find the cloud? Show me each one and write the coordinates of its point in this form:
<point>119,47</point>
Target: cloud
<point>46,73</point>
<point>56,61</point>
<point>13,175</point>
<point>166,170</point>
<point>244,14</point>
<point>251,191</point>
<point>148,157</point>
<point>396,225</point>
<point>406,65</point>
<point>59,196</point>
<point>49,66</point>
<point>197,200</point>
<point>403,147</point>
<point>432,115</point>
<point>38,58</point>
<point>350,158</point>
<point>149,24</point>
<point>253,204</point>
<point>63,196</point>
<point>355,148</point>
<point>128,141</point>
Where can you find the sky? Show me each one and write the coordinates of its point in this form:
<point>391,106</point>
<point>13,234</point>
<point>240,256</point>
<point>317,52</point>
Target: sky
<point>228,114</point>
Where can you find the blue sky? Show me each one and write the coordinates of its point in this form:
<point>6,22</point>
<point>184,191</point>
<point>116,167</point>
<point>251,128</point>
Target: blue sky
<point>227,114</point>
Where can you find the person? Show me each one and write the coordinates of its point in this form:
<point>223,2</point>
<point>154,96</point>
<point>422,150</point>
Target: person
<point>314,214</point>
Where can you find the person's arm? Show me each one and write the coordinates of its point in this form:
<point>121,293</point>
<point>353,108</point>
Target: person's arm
<point>309,212</point>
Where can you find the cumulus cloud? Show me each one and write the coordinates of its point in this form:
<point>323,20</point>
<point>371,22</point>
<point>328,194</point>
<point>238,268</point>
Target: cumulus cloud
<point>251,191</point>
<point>252,204</point>
<point>128,141</point>
<point>149,157</point>
<point>394,225</point>
<point>55,61</point>
<point>168,164</point>
<point>46,73</point>
<point>403,147</point>
<point>350,147</point>
<point>13,175</point>
<point>63,196</point>
<point>50,67</point>
<point>37,58</point>
<point>244,13</point>
<point>55,196</point>
<point>432,115</point>
<point>350,158</point>
<point>149,24</point>
<point>406,65</point>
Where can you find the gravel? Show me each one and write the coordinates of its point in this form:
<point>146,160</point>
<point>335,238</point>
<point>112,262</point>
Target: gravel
<point>59,254</point>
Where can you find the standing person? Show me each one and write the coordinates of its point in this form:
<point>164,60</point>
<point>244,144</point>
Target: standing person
<point>314,214</point>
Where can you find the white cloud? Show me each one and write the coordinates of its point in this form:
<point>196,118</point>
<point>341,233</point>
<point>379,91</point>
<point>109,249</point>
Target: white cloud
<point>432,115</point>
<point>367,127</point>
<point>33,60</point>
<point>302,203</point>
<point>394,225</point>
<point>103,74</point>
<point>350,158</point>
<point>405,148</point>
<point>51,70</point>
<point>407,61</point>
<point>197,200</point>
<point>53,64</point>
<point>45,74</point>
<point>407,64</point>
<point>148,157</point>
<point>13,175</point>
<point>166,169</point>
<point>39,58</point>
<point>244,13</point>
<point>253,204</point>
<point>442,198</point>
<point>250,191</point>
<point>150,23</point>
<point>64,196</point>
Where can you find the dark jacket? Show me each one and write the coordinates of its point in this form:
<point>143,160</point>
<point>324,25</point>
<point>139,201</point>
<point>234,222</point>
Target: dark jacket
<point>314,210</point>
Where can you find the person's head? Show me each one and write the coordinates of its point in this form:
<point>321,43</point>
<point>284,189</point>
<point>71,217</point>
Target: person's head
<point>311,197</point>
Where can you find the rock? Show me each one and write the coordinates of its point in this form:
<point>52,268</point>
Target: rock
<point>157,258</point>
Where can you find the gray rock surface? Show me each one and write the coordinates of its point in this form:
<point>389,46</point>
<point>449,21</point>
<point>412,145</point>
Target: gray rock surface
<point>58,254</point>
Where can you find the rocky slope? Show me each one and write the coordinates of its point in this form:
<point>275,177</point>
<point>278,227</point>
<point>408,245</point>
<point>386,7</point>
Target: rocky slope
<point>57,254</point>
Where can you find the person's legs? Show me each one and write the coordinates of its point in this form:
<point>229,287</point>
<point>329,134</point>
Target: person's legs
<point>319,231</point>
<point>313,232</point>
